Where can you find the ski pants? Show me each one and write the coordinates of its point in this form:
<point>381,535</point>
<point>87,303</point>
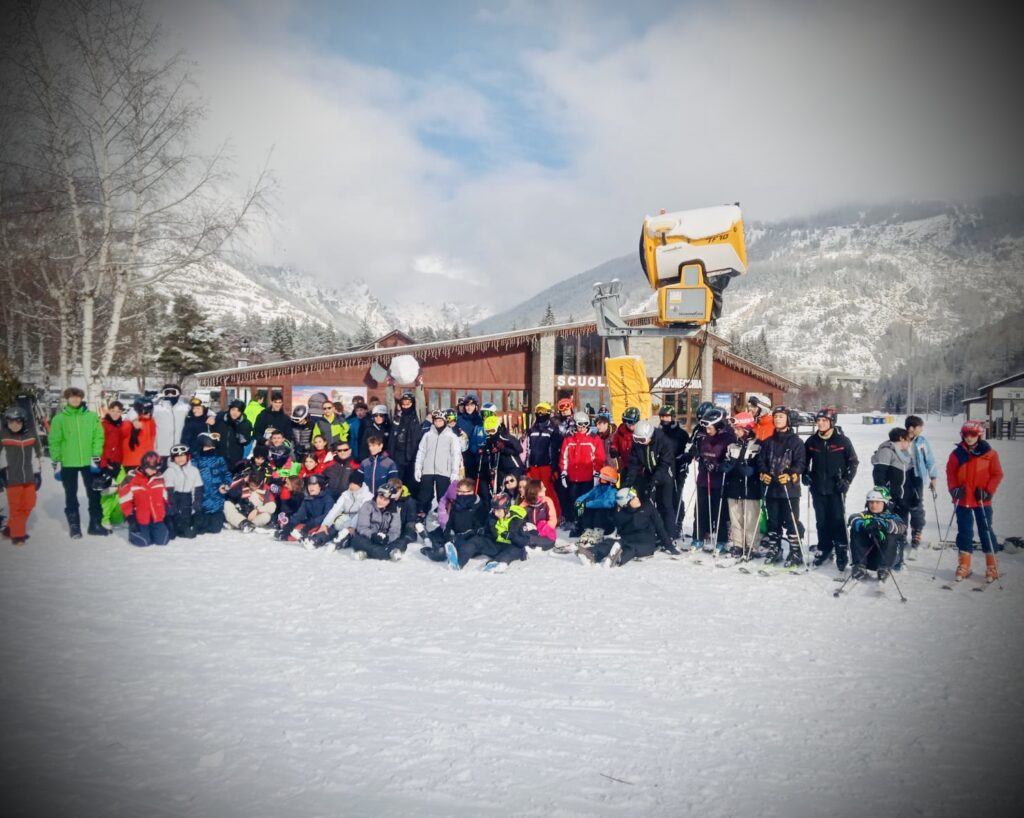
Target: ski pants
<point>630,551</point>
<point>913,493</point>
<point>234,518</point>
<point>149,534</point>
<point>476,545</point>
<point>432,486</point>
<point>565,503</point>
<point>603,518</point>
<point>782,512</point>
<point>666,501</point>
<point>182,525</point>
<point>21,499</point>
<point>209,522</point>
<point>965,519</point>
<point>743,519</point>
<point>543,473</point>
<point>712,515</point>
<point>374,550</point>
<point>575,491</point>
<point>870,552</point>
<point>830,519</point>
<point>69,477</point>
<point>407,471</point>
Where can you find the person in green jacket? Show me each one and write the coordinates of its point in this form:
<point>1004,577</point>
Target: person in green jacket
<point>76,445</point>
<point>254,408</point>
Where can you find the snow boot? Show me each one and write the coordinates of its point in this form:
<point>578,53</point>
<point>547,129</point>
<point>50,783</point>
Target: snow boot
<point>395,554</point>
<point>915,540</point>
<point>696,545</point>
<point>74,524</point>
<point>794,558</point>
<point>453,556</point>
<point>883,574</point>
<point>247,527</point>
<point>19,540</point>
<point>585,556</point>
<point>670,548</point>
<point>963,570</point>
<point>859,572</point>
<point>824,555</point>
<point>339,541</point>
<point>359,555</point>
<point>991,568</point>
<point>96,529</point>
<point>841,557</point>
<point>614,556</point>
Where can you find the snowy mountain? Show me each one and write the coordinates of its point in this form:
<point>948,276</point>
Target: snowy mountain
<point>839,292</point>
<point>223,289</point>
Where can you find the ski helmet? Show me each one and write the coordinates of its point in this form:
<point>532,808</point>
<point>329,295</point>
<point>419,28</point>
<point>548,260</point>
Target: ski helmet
<point>712,417</point>
<point>179,449</point>
<point>704,407</point>
<point>878,494</point>
<point>300,412</point>
<point>500,501</point>
<point>314,480</point>
<point>609,474</point>
<point>491,423</point>
<point>143,406</point>
<point>972,427</point>
<point>743,420</point>
<point>150,460</point>
<point>471,398</point>
<point>631,415</point>
<point>15,413</point>
<point>450,414</point>
<point>827,414</point>
<point>543,408</point>
<point>563,404</point>
<point>667,411</point>
<point>488,409</point>
<point>781,410</point>
<point>208,439</point>
<point>379,409</point>
<point>437,414</point>
<point>623,496</point>
<point>195,400</point>
<point>581,418</point>
<point>643,431</point>
<point>407,396</point>
<point>383,491</point>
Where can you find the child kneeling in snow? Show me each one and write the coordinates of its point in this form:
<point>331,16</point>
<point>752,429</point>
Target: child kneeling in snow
<point>144,503</point>
<point>340,521</point>
<point>502,541</point>
<point>378,533</point>
<point>109,485</point>
<point>596,508</point>
<point>874,534</point>
<point>184,491</point>
<point>248,503</point>
<point>540,516</point>
<point>467,517</point>
<point>641,533</point>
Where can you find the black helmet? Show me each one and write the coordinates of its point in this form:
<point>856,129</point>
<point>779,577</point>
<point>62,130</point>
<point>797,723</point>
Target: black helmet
<point>150,460</point>
<point>631,415</point>
<point>827,414</point>
<point>15,412</point>
<point>703,408</point>
<point>713,417</point>
<point>780,410</point>
<point>315,480</point>
<point>667,411</point>
<point>407,396</point>
<point>143,405</point>
<point>300,412</point>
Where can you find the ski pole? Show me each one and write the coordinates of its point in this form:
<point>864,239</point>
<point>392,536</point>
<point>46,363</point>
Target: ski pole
<point>942,541</point>
<point>718,516</point>
<point>866,555</point>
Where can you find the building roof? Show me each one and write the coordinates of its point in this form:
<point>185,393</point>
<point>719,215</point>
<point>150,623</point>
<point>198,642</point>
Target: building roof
<point>993,385</point>
<point>755,370</point>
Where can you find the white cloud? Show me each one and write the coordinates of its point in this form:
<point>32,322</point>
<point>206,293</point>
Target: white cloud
<point>786,108</point>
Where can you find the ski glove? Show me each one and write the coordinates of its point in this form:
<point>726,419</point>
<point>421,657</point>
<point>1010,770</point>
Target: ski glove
<point>981,495</point>
<point>710,465</point>
<point>783,478</point>
<point>565,481</point>
<point>766,479</point>
<point>957,493</point>
<point>843,486</point>
<point>94,466</point>
<point>38,480</point>
<point>56,471</point>
<point>805,479</point>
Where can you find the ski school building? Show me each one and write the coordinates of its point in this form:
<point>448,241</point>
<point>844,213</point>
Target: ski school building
<point>514,370</point>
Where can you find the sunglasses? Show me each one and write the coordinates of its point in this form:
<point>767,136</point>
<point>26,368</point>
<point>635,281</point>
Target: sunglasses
<point>464,493</point>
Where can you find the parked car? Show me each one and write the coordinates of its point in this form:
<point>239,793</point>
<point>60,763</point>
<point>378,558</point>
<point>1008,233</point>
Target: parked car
<point>798,418</point>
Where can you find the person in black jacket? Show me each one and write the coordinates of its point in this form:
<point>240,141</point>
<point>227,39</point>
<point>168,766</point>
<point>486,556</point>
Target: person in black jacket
<point>406,431</point>
<point>235,433</point>
<point>641,533</point>
<point>742,488</point>
<point>780,465</point>
<point>669,436</point>
<point>376,424</point>
<point>467,518</point>
<point>831,467</point>
<point>273,417</point>
<point>195,425</point>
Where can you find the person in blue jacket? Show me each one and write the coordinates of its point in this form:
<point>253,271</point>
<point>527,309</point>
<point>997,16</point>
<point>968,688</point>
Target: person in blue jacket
<point>596,508</point>
<point>471,423</point>
<point>216,479</point>
<point>922,460</point>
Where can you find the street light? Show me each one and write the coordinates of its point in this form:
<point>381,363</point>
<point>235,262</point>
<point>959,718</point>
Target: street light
<point>243,353</point>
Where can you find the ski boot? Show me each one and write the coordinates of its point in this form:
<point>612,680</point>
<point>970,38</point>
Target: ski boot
<point>453,556</point>
<point>841,558</point>
<point>74,524</point>
<point>359,555</point>
<point>991,568</point>
<point>614,556</point>
<point>795,557</point>
<point>339,541</point>
<point>735,551</point>
<point>19,540</point>
<point>883,574</point>
<point>670,549</point>
<point>824,555</point>
<point>859,572</point>
<point>773,553</point>
<point>963,570</point>
<point>395,554</point>
<point>915,540</point>
<point>96,529</point>
<point>246,527</point>
<point>585,556</point>
<point>696,545</point>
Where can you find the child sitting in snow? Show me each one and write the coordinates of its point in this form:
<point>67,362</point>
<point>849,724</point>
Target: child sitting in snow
<point>108,485</point>
<point>641,533</point>
<point>340,521</point>
<point>501,540</point>
<point>316,502</point>
<point>540,516</point>
<point>378,529</point>
<point>596,508</point>
<point>248,503</point>
<point>874,534</point>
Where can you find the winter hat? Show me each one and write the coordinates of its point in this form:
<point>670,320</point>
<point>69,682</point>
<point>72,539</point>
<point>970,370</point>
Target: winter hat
<point>356,478</point>
<point>171,390</point>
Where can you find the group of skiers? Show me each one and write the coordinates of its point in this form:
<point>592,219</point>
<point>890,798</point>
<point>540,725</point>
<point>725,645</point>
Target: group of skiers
<point>376,480</point>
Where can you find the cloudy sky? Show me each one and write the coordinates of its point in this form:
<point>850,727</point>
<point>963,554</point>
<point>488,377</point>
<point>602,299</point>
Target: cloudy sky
<point>487,149</point>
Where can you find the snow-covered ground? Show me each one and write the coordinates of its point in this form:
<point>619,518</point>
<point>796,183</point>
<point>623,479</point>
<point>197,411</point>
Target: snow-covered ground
<point>234,675</point>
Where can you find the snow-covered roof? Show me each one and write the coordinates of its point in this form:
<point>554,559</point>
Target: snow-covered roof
<point>1011,378</point>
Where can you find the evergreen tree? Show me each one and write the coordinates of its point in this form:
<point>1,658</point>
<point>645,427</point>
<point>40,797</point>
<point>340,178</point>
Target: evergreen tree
<point>364,333</point>
<point>10,386</point>
<point>190,344</point>
<point>282,338</point>
<point>549,316</point>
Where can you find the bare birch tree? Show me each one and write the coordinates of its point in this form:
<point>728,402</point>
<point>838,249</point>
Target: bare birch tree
<point>105,133</point>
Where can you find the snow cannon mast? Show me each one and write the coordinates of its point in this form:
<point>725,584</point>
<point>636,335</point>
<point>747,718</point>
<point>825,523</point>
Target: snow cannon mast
<point>688,257</point>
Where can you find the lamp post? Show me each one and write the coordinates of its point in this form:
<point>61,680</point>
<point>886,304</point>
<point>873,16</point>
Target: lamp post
<point>243,353</point>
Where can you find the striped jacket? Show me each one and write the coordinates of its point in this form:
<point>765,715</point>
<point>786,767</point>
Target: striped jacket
<point>145,497</point>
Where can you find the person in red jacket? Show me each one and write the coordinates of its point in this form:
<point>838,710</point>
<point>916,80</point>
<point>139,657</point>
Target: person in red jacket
<point>144,503</point>
<point>973,473</point>
<point>764,424</point>
<point>582,458</point>
<point>622,440</point>
<point>116,431</point>
<point>141,434</point>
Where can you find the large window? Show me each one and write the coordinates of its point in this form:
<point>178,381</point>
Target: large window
<point>565,356</point>
<point>583,355</point>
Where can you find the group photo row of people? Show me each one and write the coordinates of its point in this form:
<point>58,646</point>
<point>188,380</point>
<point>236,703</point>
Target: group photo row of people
<point>457,482</point>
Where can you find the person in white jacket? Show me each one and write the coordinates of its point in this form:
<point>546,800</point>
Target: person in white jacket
<point>169,414</point>
<point>340,521</point>
<point>438,461</point>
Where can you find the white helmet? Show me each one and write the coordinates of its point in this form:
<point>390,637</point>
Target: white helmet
<point>581,418</point>
<point>643,431</point>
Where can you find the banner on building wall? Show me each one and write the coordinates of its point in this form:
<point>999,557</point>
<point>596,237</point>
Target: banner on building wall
<point>628,385</point>
<point>723,400</point>
<point>345,394</point>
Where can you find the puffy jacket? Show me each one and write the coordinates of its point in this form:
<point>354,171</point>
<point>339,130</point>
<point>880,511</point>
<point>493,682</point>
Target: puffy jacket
<point>140,441</point>
<point>253,409</point>
<point>503,453</point>
<point>831,463</point>
<point>764,426</point>
<point>468,423</point>
<point>372,520</point>
<point>234,437</point>
<point>76,437</point>
<point>711,451</point>
<point>582,456</point>
<point>923,458</point>
<point>974,469</point>
<point>782,453</point>
<point>16,460</point>
<point>115,440</point>
<point>641,529</point>
<point>622,445</point>
<point>302,436</point>
<point>215,474</point>
<point>338,473</point>
<point>269,419</point>
<point>332,430</point>
<point>889,469</point>
<point>503,530</point>
<point>170,415</point>
<point>345,510</point>
<point>378,469</point>
<point>246,498</point>
<point>544,444</point>
<point>312,511</point>
<point>468,515</point>
<point>679,439</point>
<point>368,429</point>
<point>600,496</point>
<point>184,488</point>
<point>145,497</point>
<point>194,426</point>
<point>885,523</point>
<point>406,430</point>
<point>439,453</point>
<point>355,437</point>
<point>740,467</point>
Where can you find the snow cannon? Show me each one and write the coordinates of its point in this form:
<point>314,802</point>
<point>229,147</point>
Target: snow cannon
<point>404,369</point>
<point>689,257</point>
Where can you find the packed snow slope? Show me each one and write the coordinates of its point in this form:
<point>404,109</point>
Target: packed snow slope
<point>236,676</point>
